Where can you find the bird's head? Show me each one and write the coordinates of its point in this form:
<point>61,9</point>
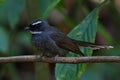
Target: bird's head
<point>37,26</point>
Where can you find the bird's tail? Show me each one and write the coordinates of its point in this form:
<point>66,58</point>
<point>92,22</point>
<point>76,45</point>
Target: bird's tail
<point>92,45</point>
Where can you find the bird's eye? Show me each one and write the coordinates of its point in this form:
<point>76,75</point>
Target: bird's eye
<point>36,23</point>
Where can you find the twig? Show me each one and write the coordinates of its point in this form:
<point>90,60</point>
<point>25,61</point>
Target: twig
<point>36,58</point>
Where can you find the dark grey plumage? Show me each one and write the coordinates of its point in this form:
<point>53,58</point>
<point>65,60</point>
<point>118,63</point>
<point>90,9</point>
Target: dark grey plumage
<point>52,42</point>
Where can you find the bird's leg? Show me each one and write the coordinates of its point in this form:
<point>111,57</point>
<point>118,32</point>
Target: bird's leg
<point>56,56</point>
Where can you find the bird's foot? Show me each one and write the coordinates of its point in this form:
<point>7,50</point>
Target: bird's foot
<point>56,57</point>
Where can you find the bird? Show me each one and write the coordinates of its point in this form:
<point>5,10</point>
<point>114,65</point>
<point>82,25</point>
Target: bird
<point>52,42</point>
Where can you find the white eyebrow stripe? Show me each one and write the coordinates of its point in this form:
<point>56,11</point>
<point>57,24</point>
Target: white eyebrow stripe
<point>35,23</point>
<point>35,32</point>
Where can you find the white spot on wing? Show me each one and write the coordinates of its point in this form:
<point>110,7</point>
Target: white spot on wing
<point>35,23</point>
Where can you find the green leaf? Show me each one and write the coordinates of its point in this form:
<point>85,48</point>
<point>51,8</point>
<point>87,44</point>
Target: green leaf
<point>4,40</point>
<point>46,6</point>
<point>1,1</point>
<point>11,10</point>
<point>85,31</point>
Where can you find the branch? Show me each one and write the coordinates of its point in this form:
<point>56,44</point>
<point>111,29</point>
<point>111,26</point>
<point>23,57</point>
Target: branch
<point>37,58</point>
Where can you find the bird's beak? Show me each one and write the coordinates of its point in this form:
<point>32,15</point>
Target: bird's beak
<point>27,28</point>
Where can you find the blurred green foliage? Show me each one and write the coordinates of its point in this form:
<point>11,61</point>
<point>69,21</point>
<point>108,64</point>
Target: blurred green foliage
<point>11,10</point>
<point>16,14</point>
<point>4,41</point>
<point>85,31</point>
<point>46,7</point>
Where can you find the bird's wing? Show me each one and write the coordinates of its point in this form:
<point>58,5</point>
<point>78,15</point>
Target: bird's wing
<point>65,42</point>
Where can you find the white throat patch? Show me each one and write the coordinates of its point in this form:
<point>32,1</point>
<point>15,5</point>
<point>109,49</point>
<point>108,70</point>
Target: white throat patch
<point>35,23</point>
<point>36,32</point>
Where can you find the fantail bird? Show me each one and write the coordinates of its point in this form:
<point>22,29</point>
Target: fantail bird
<point>52,42</point>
